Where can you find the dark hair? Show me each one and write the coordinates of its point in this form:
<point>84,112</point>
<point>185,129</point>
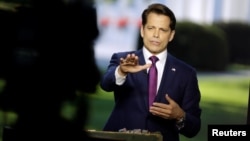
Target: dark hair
<point>159,9</point>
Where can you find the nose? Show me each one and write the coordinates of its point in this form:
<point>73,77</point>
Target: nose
<point>156,34</point>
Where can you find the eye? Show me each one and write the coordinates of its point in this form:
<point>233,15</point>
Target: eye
<point>149,28</point>
<point>164,30</point>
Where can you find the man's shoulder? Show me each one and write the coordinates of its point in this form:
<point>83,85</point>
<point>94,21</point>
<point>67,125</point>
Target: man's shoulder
<point>181,63</point>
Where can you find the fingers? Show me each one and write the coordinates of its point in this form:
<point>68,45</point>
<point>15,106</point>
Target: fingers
<point>130,64</point>
<point>131,59</point>
<point>161,110</point>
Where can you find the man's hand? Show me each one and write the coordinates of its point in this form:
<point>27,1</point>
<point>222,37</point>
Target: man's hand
<point>130,64</point>
<point>167,111</point>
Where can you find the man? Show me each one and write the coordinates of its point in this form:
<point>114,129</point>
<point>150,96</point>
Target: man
<point>176,105</point>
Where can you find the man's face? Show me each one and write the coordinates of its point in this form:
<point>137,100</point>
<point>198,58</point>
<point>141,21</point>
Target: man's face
<point>157,33</point>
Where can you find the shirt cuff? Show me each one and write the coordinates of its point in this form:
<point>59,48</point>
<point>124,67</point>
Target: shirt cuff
<point>119,80</point>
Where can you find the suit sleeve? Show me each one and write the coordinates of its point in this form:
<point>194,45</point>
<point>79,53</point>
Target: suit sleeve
<point>108,79</point>
<point>191,106</point>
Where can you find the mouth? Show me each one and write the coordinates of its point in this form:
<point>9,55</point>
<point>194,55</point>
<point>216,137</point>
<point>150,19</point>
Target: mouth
<point>155,43</point>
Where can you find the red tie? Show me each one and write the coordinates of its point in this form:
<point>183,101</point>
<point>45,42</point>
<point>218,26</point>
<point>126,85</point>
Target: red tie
<point>152,85</point>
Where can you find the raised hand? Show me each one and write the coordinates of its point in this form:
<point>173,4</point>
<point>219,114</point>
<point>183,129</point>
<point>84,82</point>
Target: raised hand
<point>130,64</point>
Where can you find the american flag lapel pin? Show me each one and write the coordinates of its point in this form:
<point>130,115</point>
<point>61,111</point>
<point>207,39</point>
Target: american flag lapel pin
<point>173,69</point>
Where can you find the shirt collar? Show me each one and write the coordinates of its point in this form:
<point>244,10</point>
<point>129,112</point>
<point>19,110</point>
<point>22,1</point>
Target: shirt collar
<point>162,56</point>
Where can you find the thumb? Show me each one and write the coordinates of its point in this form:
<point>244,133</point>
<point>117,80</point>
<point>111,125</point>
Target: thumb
<point>145,66</point>
<point>170,100</point>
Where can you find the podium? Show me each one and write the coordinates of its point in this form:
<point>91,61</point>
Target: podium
<point>123,136</point>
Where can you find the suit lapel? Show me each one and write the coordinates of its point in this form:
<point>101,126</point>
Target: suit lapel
<point>142,77</point>
<point>169,73</point>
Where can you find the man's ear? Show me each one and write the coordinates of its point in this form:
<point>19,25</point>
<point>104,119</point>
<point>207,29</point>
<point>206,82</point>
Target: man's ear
<point>172,35</point>
<point>142,31</point>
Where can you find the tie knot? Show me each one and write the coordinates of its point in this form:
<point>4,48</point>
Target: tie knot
<point>153,59</point>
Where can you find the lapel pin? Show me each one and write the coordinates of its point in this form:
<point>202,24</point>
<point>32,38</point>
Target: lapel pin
<point>173,69</point>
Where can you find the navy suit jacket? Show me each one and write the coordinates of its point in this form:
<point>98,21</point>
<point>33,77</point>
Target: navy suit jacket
<point>131,110</point>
